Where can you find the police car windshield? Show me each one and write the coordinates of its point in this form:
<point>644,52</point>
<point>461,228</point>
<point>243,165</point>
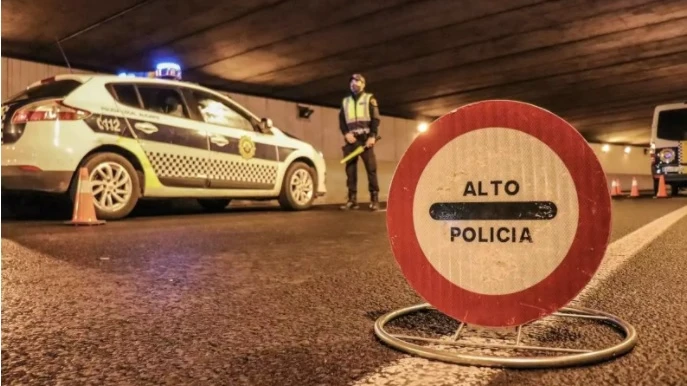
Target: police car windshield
<point>57,89</point>
<point>672,125</point>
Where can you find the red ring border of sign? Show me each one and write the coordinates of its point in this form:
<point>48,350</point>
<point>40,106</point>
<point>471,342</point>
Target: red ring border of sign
<point>584,255</point>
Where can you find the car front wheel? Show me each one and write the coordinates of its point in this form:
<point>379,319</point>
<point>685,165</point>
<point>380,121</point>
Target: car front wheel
<point>115,185</point>
<point>298,189</point>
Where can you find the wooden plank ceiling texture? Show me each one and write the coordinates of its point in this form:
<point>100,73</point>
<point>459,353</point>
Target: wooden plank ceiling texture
<point>603,65</point>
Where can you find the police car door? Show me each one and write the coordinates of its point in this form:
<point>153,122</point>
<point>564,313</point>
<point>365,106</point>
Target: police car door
<point>175,144</point>
<point>239,157</point>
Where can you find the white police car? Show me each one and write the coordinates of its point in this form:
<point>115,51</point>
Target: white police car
<point>151,138</point>
<point>669,146</point>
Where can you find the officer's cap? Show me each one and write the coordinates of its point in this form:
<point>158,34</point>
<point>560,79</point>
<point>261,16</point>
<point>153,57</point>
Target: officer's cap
<point>357,77</point>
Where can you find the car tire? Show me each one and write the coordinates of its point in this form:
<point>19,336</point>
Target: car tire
<point>214,204</point>
<point>101,160</point>
<point>290,197</point>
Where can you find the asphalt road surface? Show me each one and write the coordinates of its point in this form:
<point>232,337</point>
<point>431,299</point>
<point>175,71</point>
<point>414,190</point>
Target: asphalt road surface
<point>264,297</point>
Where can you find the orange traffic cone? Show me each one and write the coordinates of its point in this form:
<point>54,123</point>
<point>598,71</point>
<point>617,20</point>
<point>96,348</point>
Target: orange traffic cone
<point>620,190</point>
<point>614,189</point>
<point>661,188</point>
<point>84,208</point>
<point>635,190</point>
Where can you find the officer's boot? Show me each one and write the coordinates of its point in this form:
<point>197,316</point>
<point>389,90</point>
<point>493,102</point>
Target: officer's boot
<point>352,202</point>
<point>374,201</point>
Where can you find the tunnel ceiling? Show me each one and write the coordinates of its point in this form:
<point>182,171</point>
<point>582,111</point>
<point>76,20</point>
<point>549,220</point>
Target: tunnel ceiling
<point>602,65</point>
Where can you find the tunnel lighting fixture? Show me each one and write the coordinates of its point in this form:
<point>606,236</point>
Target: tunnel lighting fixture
<point>422,127</point>
<point>606,148</point>
<point>628,149</point>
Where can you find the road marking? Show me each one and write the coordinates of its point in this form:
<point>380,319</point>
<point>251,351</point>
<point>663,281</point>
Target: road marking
<point>623,249</point>
<point>418,371</point>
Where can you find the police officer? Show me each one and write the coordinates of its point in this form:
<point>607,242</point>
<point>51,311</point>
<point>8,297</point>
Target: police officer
<point>359,123</point>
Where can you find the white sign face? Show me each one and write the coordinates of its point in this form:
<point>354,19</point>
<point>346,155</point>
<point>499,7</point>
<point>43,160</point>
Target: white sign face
<point>495,211</point>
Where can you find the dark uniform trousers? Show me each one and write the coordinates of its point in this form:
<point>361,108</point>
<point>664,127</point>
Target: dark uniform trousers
<point>370,162</point>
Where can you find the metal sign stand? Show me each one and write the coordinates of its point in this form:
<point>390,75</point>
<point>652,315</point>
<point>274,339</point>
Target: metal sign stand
<point>448,350</point>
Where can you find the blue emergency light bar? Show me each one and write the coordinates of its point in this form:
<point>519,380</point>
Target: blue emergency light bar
<point>167,70</point>
<point>147,74</point>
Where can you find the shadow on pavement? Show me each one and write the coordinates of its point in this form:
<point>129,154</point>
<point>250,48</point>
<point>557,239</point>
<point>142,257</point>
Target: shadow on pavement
<point>57,208</point>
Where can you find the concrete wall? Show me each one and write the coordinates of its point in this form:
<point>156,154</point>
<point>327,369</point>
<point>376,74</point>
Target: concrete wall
<point>624,167</point>
<point>322,131</point>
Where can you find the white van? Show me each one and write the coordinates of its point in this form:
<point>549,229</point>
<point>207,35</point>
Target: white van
<point>669,145</point>
<point>151,138</point>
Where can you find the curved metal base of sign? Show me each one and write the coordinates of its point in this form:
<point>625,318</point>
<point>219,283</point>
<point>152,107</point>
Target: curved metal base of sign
<point>569,357</point>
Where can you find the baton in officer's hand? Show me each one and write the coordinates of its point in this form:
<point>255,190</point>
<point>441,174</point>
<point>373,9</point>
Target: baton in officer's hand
<point>359,150</point>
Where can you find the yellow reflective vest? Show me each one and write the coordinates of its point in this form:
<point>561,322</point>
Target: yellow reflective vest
<point>357,113</point>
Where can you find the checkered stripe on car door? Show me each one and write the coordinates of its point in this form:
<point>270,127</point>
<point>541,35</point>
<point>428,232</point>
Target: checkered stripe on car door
<point>242,171</point>
<point>177,165</point>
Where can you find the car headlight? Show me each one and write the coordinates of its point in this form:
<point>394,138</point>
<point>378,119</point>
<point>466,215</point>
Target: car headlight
<point>666,155</point>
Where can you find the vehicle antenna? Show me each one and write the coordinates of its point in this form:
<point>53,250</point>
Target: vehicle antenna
<point>64,55</point>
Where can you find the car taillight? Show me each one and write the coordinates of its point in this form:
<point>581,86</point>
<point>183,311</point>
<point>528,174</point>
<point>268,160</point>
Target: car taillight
<point>48,111</point>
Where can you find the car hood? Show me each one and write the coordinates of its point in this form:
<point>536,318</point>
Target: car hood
<point>282,133</point>
<point>290,138</point>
